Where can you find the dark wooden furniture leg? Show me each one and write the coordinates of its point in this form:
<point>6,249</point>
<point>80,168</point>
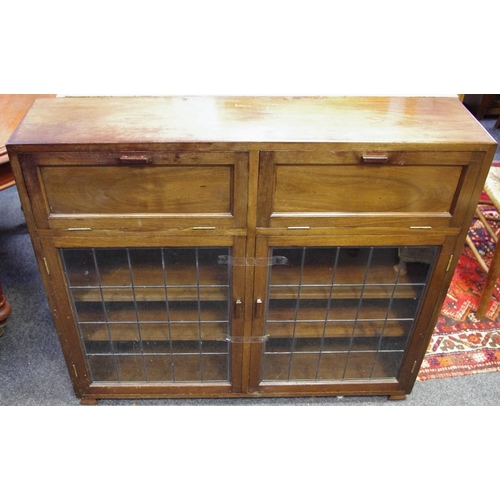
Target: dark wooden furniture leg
<point>13,107</point>
<point>486,103</point>
<point>4,311</point>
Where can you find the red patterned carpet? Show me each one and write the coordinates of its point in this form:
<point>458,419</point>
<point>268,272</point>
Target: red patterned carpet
<point>461,344</point>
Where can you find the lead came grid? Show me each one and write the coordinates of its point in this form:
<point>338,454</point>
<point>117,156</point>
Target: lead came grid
<point>342,313</point>
<point>152,314</point>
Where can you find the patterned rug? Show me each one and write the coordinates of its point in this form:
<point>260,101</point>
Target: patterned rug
<point>461,344</point>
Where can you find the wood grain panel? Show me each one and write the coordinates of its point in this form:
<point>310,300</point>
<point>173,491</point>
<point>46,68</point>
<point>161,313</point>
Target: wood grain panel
<point>361,189</point>
<point>138,189</point>
<point>119,190</point>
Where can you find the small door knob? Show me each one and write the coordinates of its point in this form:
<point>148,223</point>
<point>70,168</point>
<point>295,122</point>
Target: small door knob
<point>237,308</point>
<point>258,308</point>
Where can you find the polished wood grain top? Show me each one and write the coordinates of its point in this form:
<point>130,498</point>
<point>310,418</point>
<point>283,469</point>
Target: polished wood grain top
<point>114,120</point>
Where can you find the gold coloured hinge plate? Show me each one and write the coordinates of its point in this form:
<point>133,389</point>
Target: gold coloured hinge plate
<point>46,265</point>
<point>449,263</point>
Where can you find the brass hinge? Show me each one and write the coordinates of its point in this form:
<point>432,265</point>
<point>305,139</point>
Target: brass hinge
<point>74,369</point>
<point>46,265</point>
<point>449,263</point>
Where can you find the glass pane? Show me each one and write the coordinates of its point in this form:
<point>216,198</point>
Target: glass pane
<point>90,311</point>
<point>113,267</point>
<point>80,268</point>
<point>342,313</point>
<point>211,271</point>
<point>275,366</point>
<point>187,367</point>
<point>103,368</point>
<point>303,366</point>
<point>387,364</point>
<point>125,337</point>
<point>152,314</point>
<point>151,311</point>
<point>147,267</point>
<point>215,367</point>
<point>359,365</point>
<point>158,368</point>
<point>180,266</point>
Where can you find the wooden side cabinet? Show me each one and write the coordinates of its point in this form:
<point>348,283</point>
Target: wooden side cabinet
<point>225,247</point>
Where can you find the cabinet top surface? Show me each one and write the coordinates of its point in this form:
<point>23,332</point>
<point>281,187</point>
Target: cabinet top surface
<point>129,120</point>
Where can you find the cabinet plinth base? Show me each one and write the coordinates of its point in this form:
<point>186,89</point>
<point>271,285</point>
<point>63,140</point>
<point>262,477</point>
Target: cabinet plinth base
<point>397,397</point>
<point>88,401</point>
<point>91,400</point>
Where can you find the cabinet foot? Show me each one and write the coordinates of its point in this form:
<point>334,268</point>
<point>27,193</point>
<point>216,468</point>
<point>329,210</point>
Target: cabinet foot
<point>88,401</point>
<point>397,397</point>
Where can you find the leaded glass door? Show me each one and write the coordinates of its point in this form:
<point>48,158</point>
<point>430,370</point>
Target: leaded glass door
<point>335,314</point>
<point>156,315</point>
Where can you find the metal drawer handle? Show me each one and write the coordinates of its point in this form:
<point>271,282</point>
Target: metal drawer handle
<point>375,158</point>
<point>134,160</point>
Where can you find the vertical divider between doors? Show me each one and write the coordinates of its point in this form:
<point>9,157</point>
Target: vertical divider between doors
<point>238,277</point>
<point>260,292</point>
<point>253,179</point>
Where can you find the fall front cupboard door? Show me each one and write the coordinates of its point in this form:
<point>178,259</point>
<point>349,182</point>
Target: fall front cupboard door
<point>158,317</point>
<point>335,314</point>
<point>137,189</point>
<point>345,188</point>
